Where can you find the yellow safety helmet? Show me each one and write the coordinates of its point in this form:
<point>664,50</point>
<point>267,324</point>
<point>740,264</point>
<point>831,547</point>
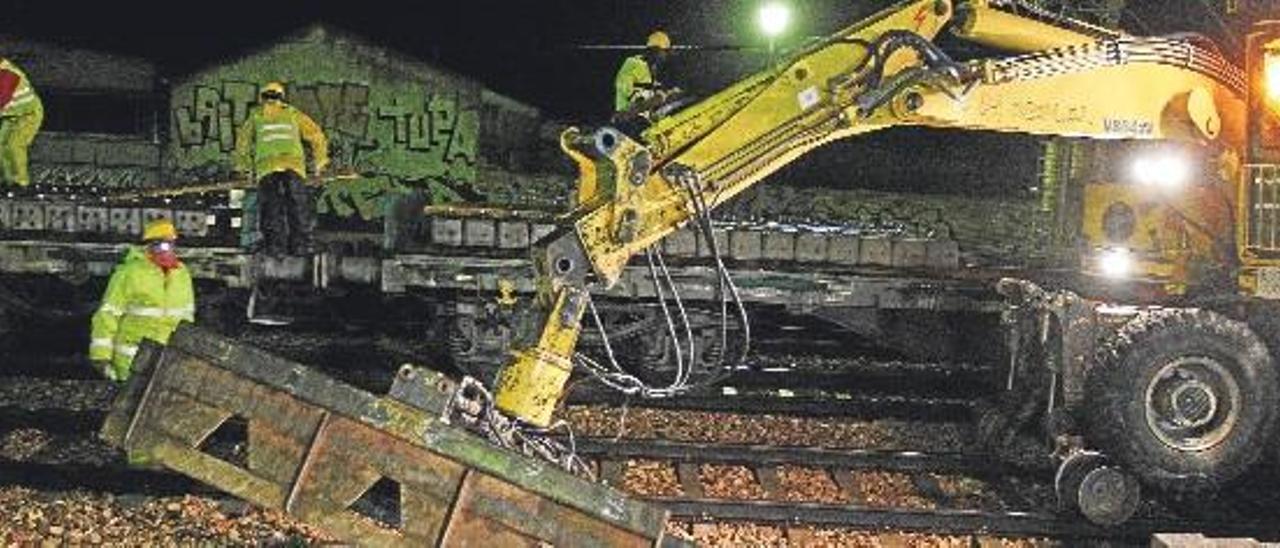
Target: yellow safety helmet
<point>273,88</point>
<point>160,229</point>
<point>659,40</point>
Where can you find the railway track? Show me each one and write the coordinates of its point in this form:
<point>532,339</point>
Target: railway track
<point>953,522</point>
<point>823,386</point>
<point>783,384</point>
<point>1008,502</point>
<point>805,402</point>
<point>766,393</point>
<point>760,369</point>
<point>1009,512</point>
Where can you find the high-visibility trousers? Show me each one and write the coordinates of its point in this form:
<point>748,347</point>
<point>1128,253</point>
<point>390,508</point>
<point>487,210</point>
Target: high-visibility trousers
<point>16,135</point>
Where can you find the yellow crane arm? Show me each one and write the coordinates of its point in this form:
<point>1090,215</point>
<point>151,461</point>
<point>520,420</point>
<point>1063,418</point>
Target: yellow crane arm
<point>1149,88</point>
<point>883,71</point>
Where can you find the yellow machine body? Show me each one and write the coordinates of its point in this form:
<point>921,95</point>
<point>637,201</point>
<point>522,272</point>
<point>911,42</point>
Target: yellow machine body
<point>882,72</point>
<point>1164,234</point>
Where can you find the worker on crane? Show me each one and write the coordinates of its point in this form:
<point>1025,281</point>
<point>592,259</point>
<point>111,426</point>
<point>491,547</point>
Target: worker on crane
<point>149,293</point>
<point>21,113</point>
<point>269,147</point>
<point>636,88</point>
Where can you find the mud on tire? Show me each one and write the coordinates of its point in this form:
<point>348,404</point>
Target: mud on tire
<point>1186,398</point>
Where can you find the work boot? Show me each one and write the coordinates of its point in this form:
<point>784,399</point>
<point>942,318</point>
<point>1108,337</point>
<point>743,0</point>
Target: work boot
<point>262,310</point>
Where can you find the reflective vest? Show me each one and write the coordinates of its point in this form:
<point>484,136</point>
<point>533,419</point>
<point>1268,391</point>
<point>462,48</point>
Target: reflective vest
<point>24,99</point>
<point>270,140</point>
<point>634,81</point>
<point>141,302</point>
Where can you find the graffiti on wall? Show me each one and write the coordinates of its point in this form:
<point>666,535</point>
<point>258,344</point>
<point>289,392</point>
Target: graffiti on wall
<point>437,125</point>
<point>415,140</point>
<point>213,115</point>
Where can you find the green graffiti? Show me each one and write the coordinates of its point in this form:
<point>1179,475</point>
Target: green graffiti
<point>425,134</point>
<point>399,124</point>
<point>213,114</point>
<point>410,140</point>
<point>370,197</point>
<point>366,197</point>
<point>339,108</point>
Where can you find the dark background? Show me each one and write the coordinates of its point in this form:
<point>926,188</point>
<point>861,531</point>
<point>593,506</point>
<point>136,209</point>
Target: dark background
<point>545,53</point>
<point>528,49</point>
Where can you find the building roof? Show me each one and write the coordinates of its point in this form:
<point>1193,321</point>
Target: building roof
<point>360,47</point>
<point>53,66</point>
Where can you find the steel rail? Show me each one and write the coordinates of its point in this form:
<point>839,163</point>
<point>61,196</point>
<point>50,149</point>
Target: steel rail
<point>119,479</point>
<point>797,402</point>
<point>52,420</point>
<point>949,521</point>
<point>769,455</point>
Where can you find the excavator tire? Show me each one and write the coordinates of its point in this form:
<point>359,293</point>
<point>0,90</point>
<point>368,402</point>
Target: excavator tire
<point>1264,319</point>
<point>1186,399</point>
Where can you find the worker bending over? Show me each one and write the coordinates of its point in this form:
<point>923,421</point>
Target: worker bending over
<point>21,114</point>
<point>269,148</point>
<point>150,292</point>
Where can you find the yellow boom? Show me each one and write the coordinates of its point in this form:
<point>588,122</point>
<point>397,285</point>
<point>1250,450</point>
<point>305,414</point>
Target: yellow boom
<point>881,72</point>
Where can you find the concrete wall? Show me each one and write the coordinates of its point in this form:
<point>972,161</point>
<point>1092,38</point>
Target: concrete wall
<point>399,123</point>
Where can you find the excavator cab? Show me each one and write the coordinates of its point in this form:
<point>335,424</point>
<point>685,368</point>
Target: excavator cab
<point>1155,220</point>
<point>1221,231</point>
<point>1259,192</point>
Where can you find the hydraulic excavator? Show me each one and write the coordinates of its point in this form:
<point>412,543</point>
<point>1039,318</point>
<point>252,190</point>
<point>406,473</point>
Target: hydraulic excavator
<point>1173,398</point>
<point>1183,398</point>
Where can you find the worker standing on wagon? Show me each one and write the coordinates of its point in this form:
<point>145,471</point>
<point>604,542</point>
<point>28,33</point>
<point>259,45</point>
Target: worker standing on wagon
<point>149,293</point>
<point>269,147</point>
<point>21,114</point>
<point>636,88</point>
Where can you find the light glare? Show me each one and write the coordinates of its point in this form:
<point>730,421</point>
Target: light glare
<point>1115,263</point>
<point>1168,170</point>
<point>1271,70</point>
<point>774,18</point>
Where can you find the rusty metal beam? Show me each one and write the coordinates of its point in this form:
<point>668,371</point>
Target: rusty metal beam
<point>315,446</point>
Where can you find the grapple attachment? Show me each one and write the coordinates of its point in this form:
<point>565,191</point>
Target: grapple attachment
<point>314,447</point>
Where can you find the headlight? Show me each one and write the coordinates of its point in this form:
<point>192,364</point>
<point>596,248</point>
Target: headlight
<point>1271,73</point>
<point>1166,169</point>
<point>1115,263</point>
<point>774,18</point>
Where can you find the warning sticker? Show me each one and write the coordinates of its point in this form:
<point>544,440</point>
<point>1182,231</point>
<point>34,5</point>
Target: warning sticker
<point>808,98</point>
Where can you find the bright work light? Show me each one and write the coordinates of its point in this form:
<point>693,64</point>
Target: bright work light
<point>774,18</point>
<point>1271,73</point>
<point>1166,170</point>
<point>1115,263</point>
